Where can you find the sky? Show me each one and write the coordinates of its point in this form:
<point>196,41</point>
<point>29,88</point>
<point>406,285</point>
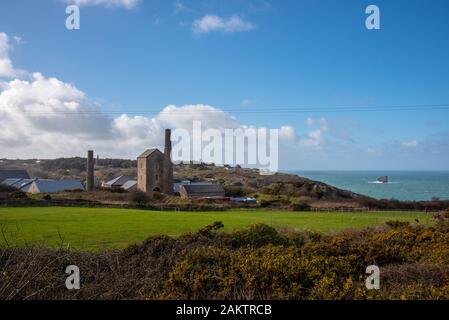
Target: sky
<point>343,97</point>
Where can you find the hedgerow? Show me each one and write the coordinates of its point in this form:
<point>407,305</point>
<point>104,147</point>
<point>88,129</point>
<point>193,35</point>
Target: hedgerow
<point>257,263</point>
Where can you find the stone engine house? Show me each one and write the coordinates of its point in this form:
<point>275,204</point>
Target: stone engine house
<point>155,169</point>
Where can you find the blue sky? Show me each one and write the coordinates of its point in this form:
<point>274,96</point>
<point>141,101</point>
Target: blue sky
<point>285,54</point>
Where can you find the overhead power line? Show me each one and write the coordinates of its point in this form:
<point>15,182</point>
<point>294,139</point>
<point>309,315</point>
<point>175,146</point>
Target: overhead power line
<point>253,110</point>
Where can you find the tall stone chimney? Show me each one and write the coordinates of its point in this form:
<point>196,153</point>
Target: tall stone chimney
<point>90,171</point>
<point>167,181</point>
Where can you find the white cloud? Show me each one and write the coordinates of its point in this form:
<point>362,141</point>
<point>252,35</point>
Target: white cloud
<point>322,122</point>
<point>18,40</point>
<point>287,133</point>
<point>182,117</point>
<point>315,138</point>
<point>44,117</point>
<point>211,23</point>
<point>48,118</point>
<point>7,69</point>
<point>410,144</point>
<point>128,4</point>
<point>181,7</point>
<point>310,121</point>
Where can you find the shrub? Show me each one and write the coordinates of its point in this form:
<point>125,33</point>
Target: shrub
<point>232,191</point>
<point>395,224</point>
<point>301,206</point>
<point>270,200</point>
<point>18,194</point>
<point>139,197</point>
<point>158,196</point>
<point>319,192</point>
<point>273,189</point>
<point>264,203</point>
<point>204,273</point>
<point>47,197</point>
<point>442,216</point>
<point>74,191</point>
<point>113,190</point>
<point>211,229</point>
<point>256,236</point>
<point>256,263</point>
<point>4,188</point>
<point>268,272</point>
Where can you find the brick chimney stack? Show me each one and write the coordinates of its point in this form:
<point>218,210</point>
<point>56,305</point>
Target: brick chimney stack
<point>167,182</point>
<point>90,171</point>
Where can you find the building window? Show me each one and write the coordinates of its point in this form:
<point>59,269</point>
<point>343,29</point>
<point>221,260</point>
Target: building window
<point>157,177</point>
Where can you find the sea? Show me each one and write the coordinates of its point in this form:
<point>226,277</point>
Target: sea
<point>402,185</point>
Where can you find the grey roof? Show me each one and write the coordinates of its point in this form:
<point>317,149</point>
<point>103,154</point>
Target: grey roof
<point>129,184</point>
<point>49,186</point>
<point>149,152</point>
<point>117,182</point>
<point>6,174</point>
<point>203,190</point>
<point>11,181</point>
<point>176,187</point>
<point>22,184</point>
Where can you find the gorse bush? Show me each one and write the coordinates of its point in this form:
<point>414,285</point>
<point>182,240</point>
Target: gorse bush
<point>269,272</point>
<point>257,263</point>
<point>257,236</point>
<point>442,216</point>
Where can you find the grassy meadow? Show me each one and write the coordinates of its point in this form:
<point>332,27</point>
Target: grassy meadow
<point>99,229</point>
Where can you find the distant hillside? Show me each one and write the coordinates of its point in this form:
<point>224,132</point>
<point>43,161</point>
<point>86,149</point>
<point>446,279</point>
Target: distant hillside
<point>237,181</point>
<point>249,180</point>
<point>284,191</point>
<point>72,168</point>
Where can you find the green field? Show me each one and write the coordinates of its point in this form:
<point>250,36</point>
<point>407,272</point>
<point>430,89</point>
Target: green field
<point>98,229</point>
